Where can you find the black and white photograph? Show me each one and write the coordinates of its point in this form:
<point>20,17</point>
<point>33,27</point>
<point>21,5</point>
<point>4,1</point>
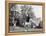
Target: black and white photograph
<point>25,18</point>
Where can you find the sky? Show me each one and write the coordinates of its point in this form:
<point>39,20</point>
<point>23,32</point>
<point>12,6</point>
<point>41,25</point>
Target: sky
<point>37,11</point>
